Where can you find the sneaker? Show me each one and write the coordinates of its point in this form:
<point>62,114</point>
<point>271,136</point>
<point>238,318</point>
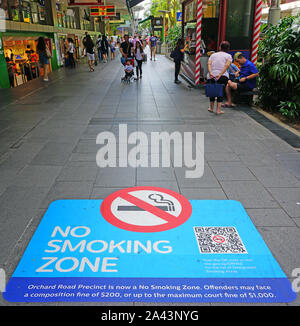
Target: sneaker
<point>46,79</point>
<point>177,82</point>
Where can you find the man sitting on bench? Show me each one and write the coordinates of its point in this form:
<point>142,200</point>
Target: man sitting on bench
<point>246,82</point>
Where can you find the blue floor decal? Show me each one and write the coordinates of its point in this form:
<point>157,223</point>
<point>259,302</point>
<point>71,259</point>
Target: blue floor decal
<point>215,255</point>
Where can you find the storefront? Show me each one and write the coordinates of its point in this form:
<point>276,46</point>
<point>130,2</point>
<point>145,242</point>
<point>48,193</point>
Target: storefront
<point>21,58</point>
<point>220,20</point>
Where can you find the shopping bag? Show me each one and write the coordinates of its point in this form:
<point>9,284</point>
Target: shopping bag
<point>214,90</point>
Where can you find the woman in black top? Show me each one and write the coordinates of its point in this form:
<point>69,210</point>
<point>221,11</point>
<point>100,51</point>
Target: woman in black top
<point>178,55</point>
<point>104,48</point>
<point>89,45</point>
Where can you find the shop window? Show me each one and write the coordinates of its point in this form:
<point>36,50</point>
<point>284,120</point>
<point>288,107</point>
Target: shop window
<point>239,23</point>
<point>211,8</point>
<point>14,10</point>
<point>4,9</point>
<point>26,11</point>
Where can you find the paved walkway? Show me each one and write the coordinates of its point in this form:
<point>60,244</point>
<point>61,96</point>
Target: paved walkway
<point>47,152</point>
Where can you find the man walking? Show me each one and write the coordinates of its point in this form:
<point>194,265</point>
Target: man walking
<point>153,44</point>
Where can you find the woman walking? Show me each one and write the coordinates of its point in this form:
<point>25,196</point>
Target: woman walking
<point>44,55</point>
<point>104,48</point>
<point>139,56</point>
<point>218,64</point>
<point>177,55</point>
<point>112,48</point>
<point>89,45</point>
<point>71,51</point>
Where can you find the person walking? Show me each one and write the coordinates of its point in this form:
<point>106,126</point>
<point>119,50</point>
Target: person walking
<point>70,51</point>
<point>112,44</point>
<point>126,49</point>
<point>98,45</point>
<point>218,65</point>
<point>89,45</point>
<point>104,48</point>
<point>177,55</point>
<point>139,56</point>
<point>44,55</point>
<point>153,44</point>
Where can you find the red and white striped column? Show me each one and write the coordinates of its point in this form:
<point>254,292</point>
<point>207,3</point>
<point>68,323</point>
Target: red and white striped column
<point>256,30</point>
<point>198,41</point>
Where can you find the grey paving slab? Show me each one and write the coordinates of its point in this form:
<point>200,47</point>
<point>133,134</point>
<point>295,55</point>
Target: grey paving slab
<point>250,193</point>
<point>288,198</point>
<point>203,193</point>
<point>37,176</point>
<point>78,171</point>
<point>102,192</point>
<point>274,176</point>
<point>67,190</point>
<point>53,154</point>
<point>231,171</point>
<point>284,245</point>
<point>116,177</point>
<point>270,217</point>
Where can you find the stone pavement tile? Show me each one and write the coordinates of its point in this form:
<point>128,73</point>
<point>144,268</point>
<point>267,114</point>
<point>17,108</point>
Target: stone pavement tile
<point>271,176</point>
<point>82,157</point>
<point>231,171</point>
<point>87,146</point>
<point>37,175</point>
<point>22,155</point>
<point>101,193</point>
<point>297,221</point>
<point>13,223</point>
<point>293,166</point>
<point>67,190</point>
<point>258,159</point>
<point>270,217</point>
<point>208,180</point>
<point>250,193</point>
<point>155,174</point>
<point>172,185</point>
<point>284,243</point>
<point>53,154</point>
<point>244,146</point>
<point>289,199</point>
<point>22,197</point>
<point>116,177</point>
<point>214,144</point>
<point>221,157</point>
<point>203,193</point>
<point>276,145</point>
<point>78,171</point>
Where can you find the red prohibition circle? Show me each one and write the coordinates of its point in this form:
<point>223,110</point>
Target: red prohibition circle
<point>219,239</point>
<point>172,221</point>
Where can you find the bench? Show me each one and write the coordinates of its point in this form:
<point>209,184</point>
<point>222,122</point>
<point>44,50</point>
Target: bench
<point>245,97</point>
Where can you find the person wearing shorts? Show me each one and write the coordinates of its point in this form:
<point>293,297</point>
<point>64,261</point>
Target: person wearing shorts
<point>89,45</point>
<point>247,81</point>
<point>153,43</point>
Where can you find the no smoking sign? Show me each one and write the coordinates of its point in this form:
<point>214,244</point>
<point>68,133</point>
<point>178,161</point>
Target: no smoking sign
<point>146,209</point>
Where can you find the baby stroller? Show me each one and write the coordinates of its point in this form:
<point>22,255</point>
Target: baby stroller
<point>129,76</point>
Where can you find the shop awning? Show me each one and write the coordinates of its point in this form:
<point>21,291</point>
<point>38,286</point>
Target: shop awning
<point>132,3</point>
<point>144,20</point>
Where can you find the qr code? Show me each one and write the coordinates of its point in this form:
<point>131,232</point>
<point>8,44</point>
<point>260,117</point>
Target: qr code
<point>219,240</point>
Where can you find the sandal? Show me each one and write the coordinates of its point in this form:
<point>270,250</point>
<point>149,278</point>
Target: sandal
<point>221,112</point>
<point>210,110</point>
<point>225,105</point>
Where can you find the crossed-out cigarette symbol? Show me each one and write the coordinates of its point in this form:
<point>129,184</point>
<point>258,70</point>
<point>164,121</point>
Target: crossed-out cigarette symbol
<point>157,198</point>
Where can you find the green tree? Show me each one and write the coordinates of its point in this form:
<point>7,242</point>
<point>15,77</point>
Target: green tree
<point>279,82</point>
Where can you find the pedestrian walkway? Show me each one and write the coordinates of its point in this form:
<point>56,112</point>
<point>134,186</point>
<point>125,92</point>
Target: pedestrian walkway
<point>48,150</point>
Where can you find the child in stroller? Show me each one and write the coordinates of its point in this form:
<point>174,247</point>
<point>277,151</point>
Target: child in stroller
<point>129,70</point>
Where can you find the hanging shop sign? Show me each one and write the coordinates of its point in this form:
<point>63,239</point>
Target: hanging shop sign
<point>103,11</point>
<point>148,244</point>
<point>85,2</point>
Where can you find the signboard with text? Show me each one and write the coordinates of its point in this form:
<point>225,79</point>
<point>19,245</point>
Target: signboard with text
<point>147,244</point>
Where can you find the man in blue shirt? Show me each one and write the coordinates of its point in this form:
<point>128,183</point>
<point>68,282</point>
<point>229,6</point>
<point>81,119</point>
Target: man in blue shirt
<point>247,81</point>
